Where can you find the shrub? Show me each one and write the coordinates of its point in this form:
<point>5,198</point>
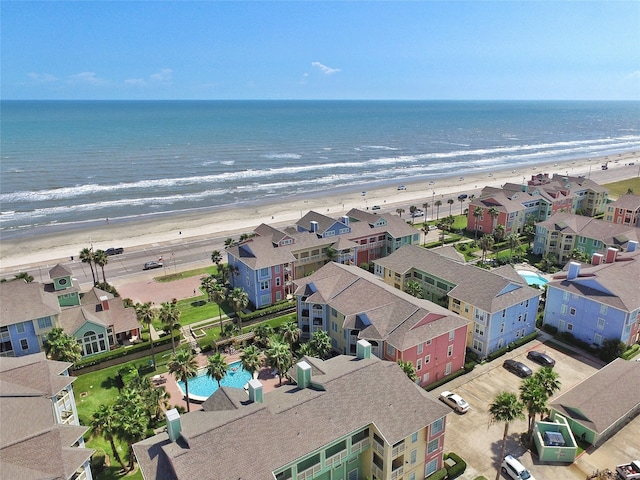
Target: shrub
<point>469,366</point>
<point>444,380</point>
<point>458,469</point>
<point>631,352</point>
<point>438,475</point>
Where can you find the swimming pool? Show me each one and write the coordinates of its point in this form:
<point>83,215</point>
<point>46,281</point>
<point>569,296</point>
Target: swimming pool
<point>533,278</point>
<point>202,386</point>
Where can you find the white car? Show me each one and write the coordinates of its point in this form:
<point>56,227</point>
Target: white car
<point>455,401</point>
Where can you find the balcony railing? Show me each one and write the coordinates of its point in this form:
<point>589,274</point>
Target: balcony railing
<point>397,473</point>
<point>335,459</point>
<point>356,447</point>
<point>378,448</point>
<point>309,472</point>
<point>397,450</point>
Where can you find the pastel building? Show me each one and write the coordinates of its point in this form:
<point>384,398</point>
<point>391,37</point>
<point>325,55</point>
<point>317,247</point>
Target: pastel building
<point>565,232</point>
<point>624,211</point>
<point>535,200</point>
<point>97,319</point>
<point>499,305</point>
<point>598,301</point>
<point>41,436</point>
<point>347,418</point>
<point>351,304</point>
<point>267,264</point>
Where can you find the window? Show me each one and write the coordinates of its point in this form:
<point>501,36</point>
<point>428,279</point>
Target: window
<point>432,466</point>
<point>412,476</point>
<point>93,342</point>
<point>278,282</point>
<point>391,350</point>
<point>24,344</point>
<point>419,348</point>
<point>451,335</point>
<point>601,323</point>
<point>427,359</point>
<point>414,437</point>
<point>450,351</point>
<point>570,327</point>
<point>264,272</point>
<point>277,268</point>
<point>447,370</point>
<point>437,426</point>
<point>597,339</point>
<point>264,285</point>
<point>428,342</point>
<point>334,326</point>
<point>20,327</point>
<point>603,309</point>
<point>433,445</point>
<point>572,311</point>
<point>479,329</point>
<point>477,345</point>
<point>419,364</point>
<point>563,309</point>
<point>44,322</point>
<point>414,456</point>
<point>502,327</point>
<point>425,378</point>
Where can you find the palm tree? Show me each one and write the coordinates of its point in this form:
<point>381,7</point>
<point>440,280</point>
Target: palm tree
<point>414,289</point>
<point>206,285</point>
<point>505,408</point>
<point>238,299</point>
<point>426,206</point>
<point>170,317</point>
<point>216,258</point>
<point>217,367</point>
<point>425,230</point>
<point>461,200</point>
<point>263,332</point>
<point>499,232</point>
<point>218,294</point>
<point>146,315</point>
<point>450,202</point>
<point>331,253</point>
<point>477,213</point>
<point>62,347</point>
<point>438,204</point>
<point>103,423</point>
<point>534,398</point>
<point>24,276</point>
<point>290,333</point>
<point>514,242</point>
<point>250,358</point>
<point>493,213</point>
<point>184,366</point>
<point>86,256</point>
<point>233,273</point>
<point>132,420</point>
<point>100,258</point>
<point>400,211</point>
<point>279,356</point>
<point>320,344</point>
<point>486,243</point>
<point>409,370</point>
<point>548,380</point>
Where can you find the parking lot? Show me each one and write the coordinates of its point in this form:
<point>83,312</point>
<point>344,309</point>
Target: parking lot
<point>472,437</point>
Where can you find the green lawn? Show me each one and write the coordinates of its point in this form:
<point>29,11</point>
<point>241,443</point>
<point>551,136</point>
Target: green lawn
<point>620,188</point>
<point>212,270</point>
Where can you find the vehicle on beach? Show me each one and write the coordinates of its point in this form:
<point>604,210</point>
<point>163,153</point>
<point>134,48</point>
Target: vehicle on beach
<point>114,251</point>
<point>402,187</point>
<point>519,368</point>
<point>151,265</point>
<point>462,196</point>
<point>364,193</point>
<point>455,401</point>
<point>375,207</point>
<point>541,358</point>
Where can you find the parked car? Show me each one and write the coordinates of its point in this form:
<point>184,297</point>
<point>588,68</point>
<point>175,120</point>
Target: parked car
<point>402,187</point>
<point>151,265</point>
<point>432,228</point>
<point>541,358</point>
<point>515,470</point>
<point>375,207</point>
<point>418,213</point>
<point>462,196</point>
<point>455,401</point>
<point>114,251</point>
<point>518,368</point>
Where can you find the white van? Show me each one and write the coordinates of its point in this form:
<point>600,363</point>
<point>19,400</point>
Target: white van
<point>515,470</point>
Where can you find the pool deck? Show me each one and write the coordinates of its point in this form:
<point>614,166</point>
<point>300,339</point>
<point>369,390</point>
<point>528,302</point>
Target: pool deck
<point>177,398</point>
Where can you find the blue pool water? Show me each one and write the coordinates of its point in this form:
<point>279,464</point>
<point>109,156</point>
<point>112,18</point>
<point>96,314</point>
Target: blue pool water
<point>533,278</point>
<point>204,385</point>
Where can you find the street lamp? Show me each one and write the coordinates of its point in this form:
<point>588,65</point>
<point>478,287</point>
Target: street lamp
<point>433,197</point>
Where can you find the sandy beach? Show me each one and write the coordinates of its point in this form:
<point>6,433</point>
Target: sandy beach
<point>135,233</point>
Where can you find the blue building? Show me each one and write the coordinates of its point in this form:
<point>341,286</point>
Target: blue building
<point>598,301</point>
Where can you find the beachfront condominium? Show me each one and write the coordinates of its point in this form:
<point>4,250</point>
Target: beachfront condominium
<point>343,418</point>
<point>598,301</point>
<point>266,264</point>
<point>41,435</point>
<point>350,305</point>
<point>513,205</point>
<point>499,304</point>
<point>564,234</point>
<point>624,211</point>
<point>97,319</point>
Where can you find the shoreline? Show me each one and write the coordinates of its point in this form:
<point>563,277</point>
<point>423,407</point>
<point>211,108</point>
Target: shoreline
<point>136,232</point>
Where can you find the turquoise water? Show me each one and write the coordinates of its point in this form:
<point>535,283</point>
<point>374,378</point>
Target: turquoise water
<point>204,385</point>
<point>533,278</point>
<point>124,159</point>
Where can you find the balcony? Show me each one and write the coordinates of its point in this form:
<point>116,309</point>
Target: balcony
<point>309,472</point>
<point>397,450</point>
<point>397,473</point>
<point>361,445</point>
<point>335,459</point>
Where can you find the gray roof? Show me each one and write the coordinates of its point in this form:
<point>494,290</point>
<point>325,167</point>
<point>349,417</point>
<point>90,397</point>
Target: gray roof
<point>602,283</point>
<point>593,228</point>
<point>32,444</point>
<point>602,399</point>
<point>21,302</point>
<point>253,441</point>
<point>117,316</point>
<point>393,316</point>
<point>491,291</point>
<point>627,202</point>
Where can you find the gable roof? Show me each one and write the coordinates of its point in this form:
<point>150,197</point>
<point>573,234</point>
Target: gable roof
<point>606,232</point>
<point>618,393</point>
<point>627,202</point>
<point>21,301</point>
<point>253,441</point>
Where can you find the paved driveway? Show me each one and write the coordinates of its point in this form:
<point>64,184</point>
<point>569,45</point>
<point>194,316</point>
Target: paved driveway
<point>472,437</point>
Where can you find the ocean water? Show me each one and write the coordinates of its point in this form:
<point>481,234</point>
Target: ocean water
<point>69,162</point>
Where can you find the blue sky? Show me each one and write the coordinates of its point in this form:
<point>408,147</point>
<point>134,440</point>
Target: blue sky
<point>320,50</point>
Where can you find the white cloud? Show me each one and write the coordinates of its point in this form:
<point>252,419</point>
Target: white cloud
<point>87,78</point>
<point>633,75</point>
<point>324,69</point>
<point>163,76</point>
<point>42,77</point>
<point>135,82</point>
